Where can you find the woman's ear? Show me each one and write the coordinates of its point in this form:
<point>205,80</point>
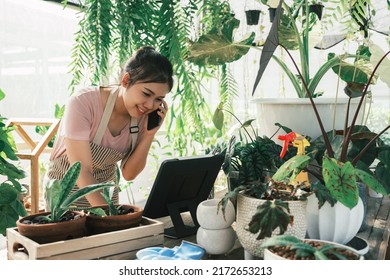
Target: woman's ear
<point>125,80</point>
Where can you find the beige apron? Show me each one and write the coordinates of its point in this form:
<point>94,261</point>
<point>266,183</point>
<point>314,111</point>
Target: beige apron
<point>104,160</point>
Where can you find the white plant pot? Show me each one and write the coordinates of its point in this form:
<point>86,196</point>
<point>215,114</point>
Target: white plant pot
<point>337,224</point>
<point>246,208</point>
<point>216,241</point>
<point>298,114</point>
<point>210,217</point>
<point>268,255</point>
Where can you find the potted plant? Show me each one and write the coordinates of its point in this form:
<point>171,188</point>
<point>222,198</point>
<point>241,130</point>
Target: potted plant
<point>316,7</point>
<point>337,174</point>
<point>252,17</point>
<point>11,208</point>
<point>292,33</point>
<point>263,205</point>
<point>271,4</point>
<point>286,247</point>
<point>62,222</point>
<point>112,217</point>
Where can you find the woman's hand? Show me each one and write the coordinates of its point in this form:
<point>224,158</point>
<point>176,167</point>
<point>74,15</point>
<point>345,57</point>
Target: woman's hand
<point>161,112</point>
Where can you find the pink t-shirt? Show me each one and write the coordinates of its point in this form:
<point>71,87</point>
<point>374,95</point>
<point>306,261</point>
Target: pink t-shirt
<point>81,121</point>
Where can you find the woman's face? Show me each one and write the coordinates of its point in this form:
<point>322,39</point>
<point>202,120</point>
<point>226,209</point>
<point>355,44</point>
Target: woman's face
<point>143,98</point>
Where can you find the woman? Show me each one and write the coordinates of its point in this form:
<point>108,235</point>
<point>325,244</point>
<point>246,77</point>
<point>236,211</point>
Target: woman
<point>104,125</point>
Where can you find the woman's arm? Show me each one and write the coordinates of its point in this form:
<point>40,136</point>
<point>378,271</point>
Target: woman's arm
<point>137,160</point>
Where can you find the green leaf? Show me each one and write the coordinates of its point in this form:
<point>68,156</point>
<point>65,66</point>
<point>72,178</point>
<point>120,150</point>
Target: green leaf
<point>8,194</point>
<point>218,47</point>
<point>69,180</point>
<point>98,211</point>
<point>280,240</point>
<point>53,191</point>
<point>340,180</point>
<point>8,218</point>
<point>293,165</point>
<point>218,118</point>
<point>371,182</point>
<point>269,216</point>
<point>352,73</point>
<point>72,198</point>
<point>2,94</point>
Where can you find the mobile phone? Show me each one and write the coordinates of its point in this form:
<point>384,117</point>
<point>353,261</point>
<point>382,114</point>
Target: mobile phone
<point>153,120</point>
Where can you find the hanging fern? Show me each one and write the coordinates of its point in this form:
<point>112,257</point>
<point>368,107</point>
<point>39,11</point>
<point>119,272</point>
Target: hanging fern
<point>110,31</point>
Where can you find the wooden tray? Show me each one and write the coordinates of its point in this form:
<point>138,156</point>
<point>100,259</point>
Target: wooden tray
<point>117,245</point>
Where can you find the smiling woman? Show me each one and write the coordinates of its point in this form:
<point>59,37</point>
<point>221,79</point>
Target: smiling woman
<point>103,125</point>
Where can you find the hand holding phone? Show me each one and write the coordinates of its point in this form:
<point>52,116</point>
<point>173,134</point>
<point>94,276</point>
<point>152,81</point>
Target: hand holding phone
<point>153,119</point>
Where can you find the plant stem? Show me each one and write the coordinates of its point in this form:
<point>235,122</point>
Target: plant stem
<point>346,140</point>
<point>326,138</point>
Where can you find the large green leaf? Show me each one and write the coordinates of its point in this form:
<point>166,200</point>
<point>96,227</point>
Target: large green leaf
<point>8,218</point>
<point>8,194</point>
<point>352,73</point>
<point>269,216</point>
<point>371,181</point>
<point>293,165</point>
<point>69,180</point>
<point>270,45</point>
<point>218,47</point>
<point>341,181</point>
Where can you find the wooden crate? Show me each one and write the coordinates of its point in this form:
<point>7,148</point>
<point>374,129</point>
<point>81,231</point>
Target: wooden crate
<point>117,245</point>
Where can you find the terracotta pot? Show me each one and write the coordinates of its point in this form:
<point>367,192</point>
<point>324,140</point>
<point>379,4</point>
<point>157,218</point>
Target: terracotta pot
<point>96,224</point>
<point>52,232</point>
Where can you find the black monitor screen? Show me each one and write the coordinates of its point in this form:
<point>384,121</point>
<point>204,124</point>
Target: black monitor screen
<point>180,185</point>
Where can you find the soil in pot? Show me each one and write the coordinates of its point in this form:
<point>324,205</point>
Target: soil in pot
<point>290,254</point>
<point>129,216</point>
<point>72,225</point>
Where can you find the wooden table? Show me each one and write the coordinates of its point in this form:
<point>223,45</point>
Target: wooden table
<point>376,233</point>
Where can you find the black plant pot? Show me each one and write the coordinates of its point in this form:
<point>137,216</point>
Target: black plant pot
<point>317,9</point>
<point>271,14</point>
<point>252,17</point>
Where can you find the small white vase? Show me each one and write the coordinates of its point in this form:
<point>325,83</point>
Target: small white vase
<point>210,217</point>
<point>335,223</point>
<point>215,233</point>
<point>216,241</point>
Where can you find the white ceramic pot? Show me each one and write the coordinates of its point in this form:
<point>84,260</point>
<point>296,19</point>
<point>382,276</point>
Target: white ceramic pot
<point>246,208</point>
<point>210,217</point>
<point>216,241</point>
<point>268,255</point>
<point>298,114</point>
<point>338,223</point>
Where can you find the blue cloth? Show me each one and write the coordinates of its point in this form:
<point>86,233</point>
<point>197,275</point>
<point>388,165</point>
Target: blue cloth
<point>186,251</point>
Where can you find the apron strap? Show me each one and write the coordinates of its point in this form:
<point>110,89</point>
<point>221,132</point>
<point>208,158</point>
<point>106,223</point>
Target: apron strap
<point>106,116</point>
<point>134,135</point>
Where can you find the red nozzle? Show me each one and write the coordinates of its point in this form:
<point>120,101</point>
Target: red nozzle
<point>288,139</point>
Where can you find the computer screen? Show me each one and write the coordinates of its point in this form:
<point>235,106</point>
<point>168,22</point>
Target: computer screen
<point>180,185</point>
